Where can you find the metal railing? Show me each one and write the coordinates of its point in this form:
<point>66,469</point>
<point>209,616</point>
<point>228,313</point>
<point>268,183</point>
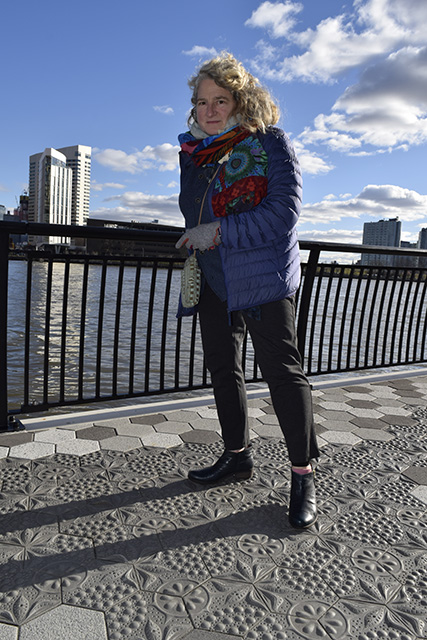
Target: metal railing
<point>77,329</point>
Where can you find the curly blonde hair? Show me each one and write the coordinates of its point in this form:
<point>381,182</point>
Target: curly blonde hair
<point>255,105</point>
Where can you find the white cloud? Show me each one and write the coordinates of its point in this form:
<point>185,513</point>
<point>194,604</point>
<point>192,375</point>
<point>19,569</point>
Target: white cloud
<point>387,108</point>
<point>3,188</point>
<point>310,161</point>
<point>165,109</point>
<point>374,201</point>
<point>173,185</point>
<point>326,130</point>
<point>98,186</point>
<point>201,52</point>
<point>347,236</point>
<point>142,207</point>
<point>339,43</point>
<point>277,17</point>
<point>163,157</point>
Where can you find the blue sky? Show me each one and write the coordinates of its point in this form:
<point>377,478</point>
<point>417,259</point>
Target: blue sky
<point>350,78</point>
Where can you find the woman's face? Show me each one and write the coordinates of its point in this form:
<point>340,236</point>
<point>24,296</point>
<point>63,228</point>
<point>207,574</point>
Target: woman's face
<point>214,106</point>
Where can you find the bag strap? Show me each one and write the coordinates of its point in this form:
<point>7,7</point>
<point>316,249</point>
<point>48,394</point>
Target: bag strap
<point>207,189</point>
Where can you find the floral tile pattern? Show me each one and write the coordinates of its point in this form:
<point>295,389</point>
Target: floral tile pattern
<point>113,535</point>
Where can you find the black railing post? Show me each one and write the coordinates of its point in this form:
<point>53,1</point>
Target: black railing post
<point>309,275</point>
<point>4,274</point>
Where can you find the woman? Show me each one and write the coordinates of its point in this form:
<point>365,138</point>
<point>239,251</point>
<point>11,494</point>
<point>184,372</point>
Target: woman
<point>241,197</point>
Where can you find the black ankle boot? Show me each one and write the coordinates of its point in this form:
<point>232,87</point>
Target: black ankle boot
<point>230,465</point>
<point>302,507</point>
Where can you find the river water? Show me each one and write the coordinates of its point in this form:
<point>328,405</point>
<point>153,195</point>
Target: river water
<point>49,332</point>
<point>350,320</point>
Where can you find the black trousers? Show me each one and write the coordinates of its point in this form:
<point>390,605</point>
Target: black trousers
<point>274,340</point>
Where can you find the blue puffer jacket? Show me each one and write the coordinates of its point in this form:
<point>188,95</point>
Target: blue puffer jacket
<point>259,252</point>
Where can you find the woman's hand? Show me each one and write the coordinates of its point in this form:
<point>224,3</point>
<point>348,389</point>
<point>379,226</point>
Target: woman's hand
<point>203,237</point>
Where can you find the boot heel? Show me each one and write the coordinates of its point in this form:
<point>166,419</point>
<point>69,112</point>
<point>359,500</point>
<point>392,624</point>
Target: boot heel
<point>244,475</point>
<point>302,507</point>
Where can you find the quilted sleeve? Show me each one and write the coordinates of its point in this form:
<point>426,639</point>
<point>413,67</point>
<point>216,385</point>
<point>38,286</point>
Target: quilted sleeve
<point>278,212</point>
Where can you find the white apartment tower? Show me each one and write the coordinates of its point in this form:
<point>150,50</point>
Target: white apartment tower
<point>384,233</point>
<point>79,160</point>
<point>49,193</point>
<point>59,188</point>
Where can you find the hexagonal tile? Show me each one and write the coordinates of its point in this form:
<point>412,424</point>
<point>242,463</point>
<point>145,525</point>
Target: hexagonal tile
<point>374,435</point>
<point>151,419</point>
<point>54,436</point>
<point>200,436</point>
<point>361,396</point>
<point>183,415</point>
<point>4,452</point>
<point>32,450</point>
<point>364,413</point>
<point>417,474</point>
<point>67,623</point>
<point>338,425</point>
<point>334,406</point>
<point>211,414</point>
<point>386,394</point>
<point>255,413</point>
<point>354,388</point>
<point>12,439</point>
<point>121,443</point>
<point>258,403</point>
<point>7,632</point>
<point>172,427</point>
<point>363,404</point>
<point>77,447</point>
<point>368,423</point>
<point>397,420</point>
<point>204,424</point>
<point>267,419</point>
<point>162,440</point>
<point>268,430</point>
<point>420,493</point>
<point>96,432</point>
<point>340,437</point>
<point>137,430</point>
<point>335,416</point>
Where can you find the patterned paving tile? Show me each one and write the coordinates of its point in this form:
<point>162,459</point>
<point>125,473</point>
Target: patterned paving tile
<point>108,536</point>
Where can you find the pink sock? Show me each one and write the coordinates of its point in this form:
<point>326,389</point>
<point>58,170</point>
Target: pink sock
<point>302,471</point>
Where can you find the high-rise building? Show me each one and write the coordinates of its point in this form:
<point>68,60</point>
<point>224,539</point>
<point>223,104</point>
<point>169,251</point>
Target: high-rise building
<point>59,188</point>
<point>422,239</point>
<point>384,233</point>
<point>49,194</point>
<point>22,209</point>
<point>422,244</point>
<point>79,160</point>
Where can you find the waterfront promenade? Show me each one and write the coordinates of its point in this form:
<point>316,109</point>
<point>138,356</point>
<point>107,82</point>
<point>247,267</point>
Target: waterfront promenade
<point>102,537</point>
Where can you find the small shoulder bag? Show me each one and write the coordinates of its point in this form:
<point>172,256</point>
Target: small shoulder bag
<point>191,275</point>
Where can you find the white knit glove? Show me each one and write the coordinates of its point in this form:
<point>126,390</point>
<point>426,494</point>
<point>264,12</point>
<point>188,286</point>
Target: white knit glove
<point>203,237</point>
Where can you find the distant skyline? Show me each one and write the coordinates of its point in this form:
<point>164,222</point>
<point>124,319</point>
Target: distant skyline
<point>350,79</point>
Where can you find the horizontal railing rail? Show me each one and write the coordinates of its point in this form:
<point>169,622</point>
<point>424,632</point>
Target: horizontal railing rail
<point>78,328</point>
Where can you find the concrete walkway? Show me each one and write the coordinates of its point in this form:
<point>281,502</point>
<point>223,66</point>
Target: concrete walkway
<point>102,537</point>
